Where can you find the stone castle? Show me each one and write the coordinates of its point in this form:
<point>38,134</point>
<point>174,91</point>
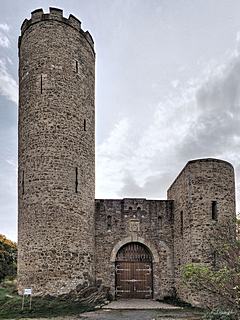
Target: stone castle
<point>135,247</point>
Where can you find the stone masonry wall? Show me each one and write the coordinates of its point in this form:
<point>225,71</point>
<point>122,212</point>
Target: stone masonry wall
<point>152,222</point>
<point>56,176</point>
<point>199,184</point>
<point>66,237</point>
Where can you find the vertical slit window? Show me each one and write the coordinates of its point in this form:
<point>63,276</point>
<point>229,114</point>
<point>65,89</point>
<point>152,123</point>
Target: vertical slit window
<point>76,66</point>
<point>160,223</point>
<point>23,183</point>
<point>214,210</point>
<point>109,222</point>
<point>84,125</point>
<point>41,84</point>
<point>76,180</point>
<point>181,223</point>
<point>214,259</point>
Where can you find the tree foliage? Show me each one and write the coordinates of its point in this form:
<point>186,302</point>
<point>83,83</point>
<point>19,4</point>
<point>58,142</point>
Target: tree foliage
<point>8,258</point>
<point>221,279</point>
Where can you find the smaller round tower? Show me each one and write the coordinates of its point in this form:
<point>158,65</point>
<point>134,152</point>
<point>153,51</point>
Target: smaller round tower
<point>212,205</point>
<point>56,173</point>
<point>204,210</point>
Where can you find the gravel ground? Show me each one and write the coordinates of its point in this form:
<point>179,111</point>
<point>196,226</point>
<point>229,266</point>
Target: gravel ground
<point>138,315</point>
<point>131,315</point>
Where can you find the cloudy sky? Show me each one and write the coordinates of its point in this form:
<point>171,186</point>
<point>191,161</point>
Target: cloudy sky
<point>167,90</point>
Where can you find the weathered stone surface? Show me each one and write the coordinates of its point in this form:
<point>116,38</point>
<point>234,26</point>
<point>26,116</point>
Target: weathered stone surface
<point>66,245</point>
<point>199,184</point>
<point>56,136</point>
<point>152,227</point>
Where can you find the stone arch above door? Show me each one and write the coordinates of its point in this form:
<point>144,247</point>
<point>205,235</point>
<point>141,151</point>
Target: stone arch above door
<point>135,239</point>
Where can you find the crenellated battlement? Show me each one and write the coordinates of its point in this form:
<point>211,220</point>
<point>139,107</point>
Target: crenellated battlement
<point>56,14</point>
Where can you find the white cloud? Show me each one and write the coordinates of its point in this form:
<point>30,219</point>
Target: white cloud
<point>12,162</point>
<point>4,41</point>
<point>175,83</point>
<point>8,85</point>
<point>130,160</point>
<point>111,158</point>
<point>238,36</point>
<point>200,120</point>
<point>9,60</point>
<point>4,27</point>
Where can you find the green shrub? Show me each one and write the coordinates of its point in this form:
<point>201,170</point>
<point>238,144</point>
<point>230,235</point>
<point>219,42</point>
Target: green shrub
<point>10,284</point>
<point>219,314</point>
<point>220,280</point>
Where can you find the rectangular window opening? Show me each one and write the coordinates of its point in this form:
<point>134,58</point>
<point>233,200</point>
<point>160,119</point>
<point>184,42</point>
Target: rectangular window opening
<point>214,211</point>
<point>76,180</point>
<point>84,125</point>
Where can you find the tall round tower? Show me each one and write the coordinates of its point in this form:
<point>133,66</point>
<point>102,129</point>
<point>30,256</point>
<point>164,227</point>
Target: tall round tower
<point>56,174</point>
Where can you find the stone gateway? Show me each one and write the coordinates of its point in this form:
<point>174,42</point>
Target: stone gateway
<point>135,247</point>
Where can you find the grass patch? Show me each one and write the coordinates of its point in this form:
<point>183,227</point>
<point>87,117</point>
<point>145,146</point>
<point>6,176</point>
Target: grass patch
<point>11,304</point>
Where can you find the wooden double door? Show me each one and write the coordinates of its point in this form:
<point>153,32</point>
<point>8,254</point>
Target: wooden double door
<point>134,272</point>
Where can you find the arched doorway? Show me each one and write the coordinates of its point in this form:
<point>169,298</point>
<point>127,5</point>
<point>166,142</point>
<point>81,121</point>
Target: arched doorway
<point>134,272</point>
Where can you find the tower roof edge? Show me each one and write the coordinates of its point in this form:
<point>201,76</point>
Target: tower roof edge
<point>56,14</point>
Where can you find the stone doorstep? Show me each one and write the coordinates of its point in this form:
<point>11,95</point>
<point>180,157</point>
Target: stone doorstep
<point>139,304</point>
